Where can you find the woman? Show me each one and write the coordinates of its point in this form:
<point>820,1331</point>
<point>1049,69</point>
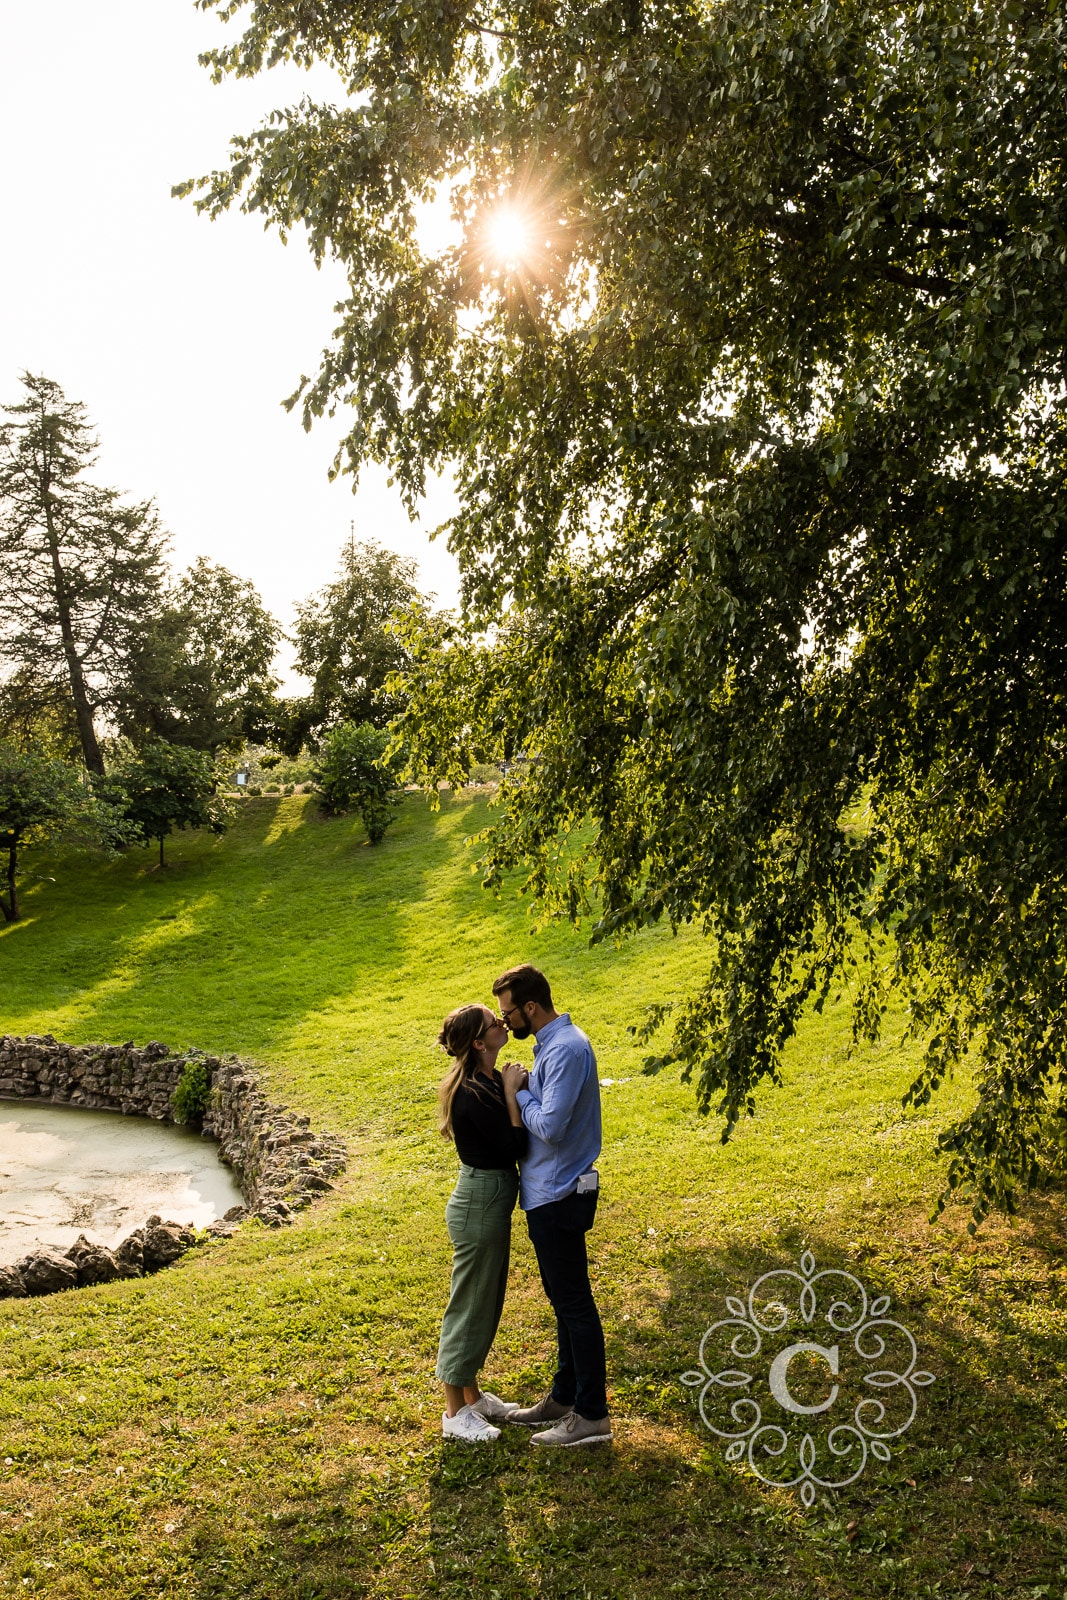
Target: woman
<point>482,1116</point>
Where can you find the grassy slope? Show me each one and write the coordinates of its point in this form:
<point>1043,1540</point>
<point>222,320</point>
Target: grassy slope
<point>262,1421</point>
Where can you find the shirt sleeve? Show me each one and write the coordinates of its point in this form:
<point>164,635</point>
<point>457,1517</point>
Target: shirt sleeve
<point>563,1073</point>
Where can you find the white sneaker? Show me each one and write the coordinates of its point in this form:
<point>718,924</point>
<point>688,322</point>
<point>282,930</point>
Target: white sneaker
<point>492,1408</point>
<point>469,1426</point>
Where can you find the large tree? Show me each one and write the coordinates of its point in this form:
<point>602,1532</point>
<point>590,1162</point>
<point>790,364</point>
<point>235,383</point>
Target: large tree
<point>199,673</point>
<point>749,362</point>
<point>37,714</point>
<point>81,569</point>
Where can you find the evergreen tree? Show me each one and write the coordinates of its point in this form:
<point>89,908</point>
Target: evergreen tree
<point>81,569</point>
<point>38,715</point>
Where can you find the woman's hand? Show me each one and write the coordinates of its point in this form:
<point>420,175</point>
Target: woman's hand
<point>515,1077</point>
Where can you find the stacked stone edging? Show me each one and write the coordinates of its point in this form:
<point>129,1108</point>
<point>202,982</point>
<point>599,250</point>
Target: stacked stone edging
<point>109,1077</point>
<point>280,1164</point>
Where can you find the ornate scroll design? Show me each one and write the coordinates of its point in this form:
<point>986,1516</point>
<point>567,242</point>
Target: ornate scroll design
<point>852,1333</point>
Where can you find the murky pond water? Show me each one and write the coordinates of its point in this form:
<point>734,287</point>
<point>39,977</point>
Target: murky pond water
<point>65,1171</point>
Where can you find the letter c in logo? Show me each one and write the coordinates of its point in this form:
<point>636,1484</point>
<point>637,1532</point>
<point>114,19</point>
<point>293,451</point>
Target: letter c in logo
<point>779,1378</point>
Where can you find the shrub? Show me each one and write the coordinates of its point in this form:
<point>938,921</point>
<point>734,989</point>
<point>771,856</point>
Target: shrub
<point>354,775</point>
<point>190,1099</point>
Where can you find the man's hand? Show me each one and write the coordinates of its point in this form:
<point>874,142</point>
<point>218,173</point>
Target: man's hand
<point>515,1076</point>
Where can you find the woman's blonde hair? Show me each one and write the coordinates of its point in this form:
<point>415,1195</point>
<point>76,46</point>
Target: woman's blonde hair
<point>458,1033</point>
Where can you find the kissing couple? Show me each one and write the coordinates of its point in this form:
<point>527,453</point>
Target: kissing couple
<point>532,1137</point>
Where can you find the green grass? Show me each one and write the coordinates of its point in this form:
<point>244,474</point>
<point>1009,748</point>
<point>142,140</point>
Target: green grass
<point>262,1420</point>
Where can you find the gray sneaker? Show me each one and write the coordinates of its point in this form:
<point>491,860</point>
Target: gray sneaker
<point>545,1411</point>
<point>576,1430</point>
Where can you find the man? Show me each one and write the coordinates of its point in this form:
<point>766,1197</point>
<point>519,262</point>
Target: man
<point>558,1185</point>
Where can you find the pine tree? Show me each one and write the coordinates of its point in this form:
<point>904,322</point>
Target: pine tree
<point>81,569</point>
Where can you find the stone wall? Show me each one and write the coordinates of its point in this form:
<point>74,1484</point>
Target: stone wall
<point>279,1163</point>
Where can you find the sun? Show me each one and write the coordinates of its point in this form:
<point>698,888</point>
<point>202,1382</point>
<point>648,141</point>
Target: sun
<point>509,233</point>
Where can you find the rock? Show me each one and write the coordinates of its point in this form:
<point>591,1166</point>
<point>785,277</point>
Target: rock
<point>11,1284</point>
<point>46,1271</point>
<point>314,1180</point>
<point>235,1214</point>
<point>164,1242</point>
<point>94,1262</point>
<point>129,1256</point>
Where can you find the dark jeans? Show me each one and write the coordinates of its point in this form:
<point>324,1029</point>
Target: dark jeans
<point>557,1233</point>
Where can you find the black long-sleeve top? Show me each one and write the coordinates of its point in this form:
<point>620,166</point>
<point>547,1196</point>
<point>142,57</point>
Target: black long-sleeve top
<point>484,1134</point>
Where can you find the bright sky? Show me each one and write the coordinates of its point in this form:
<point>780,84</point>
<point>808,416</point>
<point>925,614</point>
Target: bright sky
<point>181,335</point>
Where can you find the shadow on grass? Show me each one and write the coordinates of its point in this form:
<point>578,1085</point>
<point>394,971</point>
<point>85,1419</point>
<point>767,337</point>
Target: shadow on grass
<point>971,1503</point>
<point>236,939</point>
<point>972,1499</point>
<point>290,939</point>
<point>506,1523</point>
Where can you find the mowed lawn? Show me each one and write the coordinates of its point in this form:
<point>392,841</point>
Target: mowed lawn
<point>262,1420</point>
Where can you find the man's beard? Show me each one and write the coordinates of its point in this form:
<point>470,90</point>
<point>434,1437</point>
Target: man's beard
<point>522,1032</point>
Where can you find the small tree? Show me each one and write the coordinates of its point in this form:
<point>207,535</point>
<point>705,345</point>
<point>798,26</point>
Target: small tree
<point>42,799</point>
<point>164,787</point>
<point>354,775</point>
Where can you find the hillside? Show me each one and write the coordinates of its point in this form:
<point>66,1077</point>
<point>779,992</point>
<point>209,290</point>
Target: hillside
<point>262,1420</point>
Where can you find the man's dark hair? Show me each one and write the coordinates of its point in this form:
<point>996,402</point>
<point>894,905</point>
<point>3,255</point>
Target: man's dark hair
<point>525,983</point>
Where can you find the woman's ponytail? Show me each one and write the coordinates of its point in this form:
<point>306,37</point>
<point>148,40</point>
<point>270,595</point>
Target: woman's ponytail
<point>458,1033</point>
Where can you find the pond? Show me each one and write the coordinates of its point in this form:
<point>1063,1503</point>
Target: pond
<point>66,1171</point>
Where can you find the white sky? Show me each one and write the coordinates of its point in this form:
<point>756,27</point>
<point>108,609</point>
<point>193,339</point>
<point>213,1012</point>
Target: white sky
<point>180,335</point>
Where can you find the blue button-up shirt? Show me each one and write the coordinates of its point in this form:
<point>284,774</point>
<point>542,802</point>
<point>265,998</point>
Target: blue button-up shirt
<point>561,1109</point>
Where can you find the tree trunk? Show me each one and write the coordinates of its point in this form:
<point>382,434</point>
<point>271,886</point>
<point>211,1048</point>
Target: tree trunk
<point>161,849</point>
<point>11,909</point>
<point>83,711</point>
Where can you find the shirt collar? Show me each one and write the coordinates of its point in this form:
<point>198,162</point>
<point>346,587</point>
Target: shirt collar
<point>550,1029</point>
